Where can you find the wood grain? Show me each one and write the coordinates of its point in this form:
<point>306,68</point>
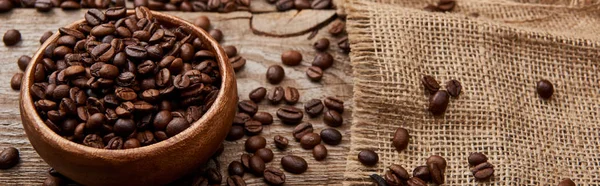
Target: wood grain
<point>260,51</point>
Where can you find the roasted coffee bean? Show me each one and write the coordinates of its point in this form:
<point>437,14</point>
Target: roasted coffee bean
<point>430,84</point>
<point>95,17</point>
<point>43,5</point>
<point>291,95</point>
<point>284,5</point>
<point>454,87</point>
<point>277,95</point>
<point>399,172</point>
<point>258,94</point>
<point>216,34</point>
<point>145,138</point>
<point>115,13</point>
<point>439,102</point>
<point>125,94</point>
<point>301,130</point>
<point>95,121</point>
<point>323,60</point>
<point>344,44</point>
<point>438,160</point>
<point>23,62</point>
<point>477,158</point>
<point>319,152</point>
<point>337,26</point>
<point>231,51</point>
<point>202,22</point>
<point>334,104</point>
<point>321,44</point>
<point>237,62</point>
<point>314,73</point>
<point>290,115</point>
<point>245,159</point>
<point>15,81</point>
<point>280,142</point>
<point>72,32</point>
<point>12,37</point>
<point>331,136</point>
<point>320,4</point>
<point>241,118</point>
<point>73,71</point>
<point>274,176</point>
<point>214,176</point>
<point>131,143</point>
<point>248,107</point>
<point>401,138</point>
<point>115,143</point>
<point>54,181</point>
<point>146,67</point>
<point>378,180</point>
<point>254,143</point>
<point>333,118</point>
<point>235,133</point>
<point>45,36</point>
<point>310,140</point>
<point>313,107</point>
<point>391,179</point>
<point>253,127</point>
<point>104,30</point>
<point>446,5</point>
<point>235,168</point>
<point>416,181</point>
<point>137,52</point>
<point>93,140</point>
<point>177,125</point>
<point>6,5</point>
<point>9,157</point>
<point>124,127</point>
<point>566,182</point>
<point>294,164</point>
<point>545,89</point>
<point>483,171</point>
<point>265,153</point>
<point>263,117</point>
<point>235,181</point>
<point>368,157</point>
<point>422,172</point>
<point>291,58</point>
<point>275,74</point>
<point>436,172</point>
<point>257,165</point>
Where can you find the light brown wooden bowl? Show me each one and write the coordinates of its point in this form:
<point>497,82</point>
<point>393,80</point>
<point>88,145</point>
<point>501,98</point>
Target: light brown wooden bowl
<point>156,164</point>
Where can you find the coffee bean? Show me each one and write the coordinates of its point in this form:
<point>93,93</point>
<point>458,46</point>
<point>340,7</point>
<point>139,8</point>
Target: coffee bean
<point>115,13</point>
<point>257,165</point>
<point>331,136</point>
<point>291,95</point>
<point>319,152</point>
<point>439,102</point>
<point>422,172</point>
<point>231,51</point>
<point>334,104</point>
<point>280,142</point>
<point>95,121</point>
<point>294,164</point>
<point>392,179</point>
<point>235,168</point>
<point>368,157</point>
<point>277,95</point>
<point>344,44</point>
<point>416,181</point>
<point>15,81</point>
<point>254,143</point>
<point>237,62</point>
<point>320,4</point>
<point>401,138</point>
<point>137,52</point>
<point>54,181</point>
<point>6,5</point>
<point>265,153</point>
<point>93,140</point>
<point>399,172</point>
<point>301,130</point>
<point>284,5</point>
<point>477,158</point>
<point>337,26</point>
<point>438,160</point>
<point>310,140</point>
<point>290,115</point>
<point>258,94</point>
<point>214,176</point>
<point>446,5</point>
<point>235,181</point>
<point>291,58</point>
<point>235,133</point>
<point>314,73</point>
<point>333,118</point>
<point>104,30</point>
<point>566,182</point>
<point>124,127</point>
<point>131,143</point>
<point>145,137</point>
<point>241,118</point>
<point>264,118</point>
<point>23,62</point>
<point>545,89</point>
<point>430,84</point>
<point>11,37</point>
<point>43,5</point>
<point>274,176</point>
<point>115,143</point>
<point>313,107</point>
<point>73,71</point>
<point>177,125</point>
<point>275,74</point>
<point>436,172</point>
<point>454,87</point>
<point>216,34</point>
<point>45,36</point>
<point>9,157</point>
<point>248,107</point>
<point>253,127</point>
<point>202,22</point>
<point>95,17</point>
<point>323,60</point>
<point>378,180</point>
<point>245,159</point>
<point>125,94</point>
<point>321,44</point>
<point>483,171</point>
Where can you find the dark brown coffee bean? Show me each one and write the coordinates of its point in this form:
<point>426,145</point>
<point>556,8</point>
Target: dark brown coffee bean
<point>45,36</point>
<point>416,181</point>
<point>115,13</point>
<point>43,5</point>
<point>545,89</point>
<point>125,94</point>
<point>248,107</point>
<point>124,127</point>
<point>422,172</point>
<point>368,157</point>
<point>290,115</point>
<point>277,95</point>
<point>202,22</point>
<point>253,127</point>
<point>265,153</point>
<point>274,176</point>
<point>344,44</point>
<point>566,182</point>
<point>430,84</point>
<point>321,44</point>
<point>9,157</point>
<point>280,142</point>
<point>314,73</point>
<point>275,74</point>
<point>145,137</point>
<point>237,62</point>
<point>15,81</point>
<point>294,164</point>
<point>254,143</point>
<point>245,159</point>
<point>187,52</point>
<point>378,180</point>
<point>334,104</point>
<point>93,140</point>
<point>235,181</point>
<point>23,62</point>
<point>331,136</point>
<point>337,26</point>
<point>257,165</point>
<point>235,133</point>
<point>310,140</point>
<point>216,34</point>
<point>11,37</point>
<point>45,105</point>
<point>438,160</point>
<point>241,118</point>
<point>231,51</point>
<point>477,158</point>
<point>150,95</point>
<point>103,30</point>
<point>134,51</point>
<point>147,67</point>
<point>72,32</point>
<point>320,4</point>
<point>258,94</point>
<point>291,95</point>
<point>436,172</point>
<point>319,152</point>
<point>214,176</point>
<point>115,143</point>
<point>6,5</point>
<point>131,143</point>
<point>454,87</point>
<point>177,125</point>
<point>263,117</point>
<point>235,168</point>
<point>401,138</point>
<point>446,5</point>
<point>391,179</point>
<point>73,71</point>
<point>333,118</point>
<point>301,130</point>
<point>291,58</point>
<point>284,5</point>
<point>439,102</point>
<point>483,171</point>
<point>66,40</point>
<point>313,107</point>
<point>399,172</point>
<point>323,60</point>
<point>95,121</point>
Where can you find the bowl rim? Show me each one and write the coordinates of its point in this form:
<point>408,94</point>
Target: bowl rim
<point>227,75</point>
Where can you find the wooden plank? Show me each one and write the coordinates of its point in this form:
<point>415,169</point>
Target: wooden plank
<point>260,51</point>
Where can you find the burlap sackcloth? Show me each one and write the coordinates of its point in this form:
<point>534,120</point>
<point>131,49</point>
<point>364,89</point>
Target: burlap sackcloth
<point>498,50</point>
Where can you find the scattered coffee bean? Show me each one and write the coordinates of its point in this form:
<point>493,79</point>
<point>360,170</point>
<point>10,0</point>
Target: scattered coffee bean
<point>254,143</point>
<point>257,165</point>
<point>344,44</point>
<point>566,182</point>
<point>245,159</point>
<point>216,34</point>
<point>263,117</point>
<point>378,180</point>
<point>401,138</point>
<point>454,87</point>
<point>235,168</point>
<point>290,115</point>
<point>43,5</point>
<point>313,107</point>
<point>248,107</point>
<point>23,62</point>
<point>258,94</point>
<point>334,104</point>
<point>291,95</point>
<point>274,176</point>
<point>275,74</point>
<point>294,164</point>
<point>235,133</point>
<point>11,37</point>
<point>439,102</point>
<point>264,153</point>
<point>214,176</point>
<point>438,160</point>
<point>54,181</point>
<point>235,181</point>
<point>446,5</point>
<point>477,158</point>
<point>45,36</point>
<point>310,140</point>
<point>291,58</point>
<point>422,172</point>
<point>321,44</point>
<point>430,84</point>
<point>277,95</point>
<point>241,118</point>
<point>333,118</point>
<point>15,81</point>
<point>231,51</point>
<point>280,142</point>
<point>368,157</point>
<point>320,152</point>
<point>337,27</point>
<point>9,157</point>
<point>314,73</point>
<point>253,127</point>
<point>545,89</point>
<point>301,130</point>
<point>483,171</point>
<point>237,62</point>
<point>399,172</point>
<point>6,5</point>
<point>331,136</point>
<point>392,179</point>
<point>202,22</point>
<point>284,5</point>
<point>436,172</point>
<point>323,60</point>
<point>416,181</point>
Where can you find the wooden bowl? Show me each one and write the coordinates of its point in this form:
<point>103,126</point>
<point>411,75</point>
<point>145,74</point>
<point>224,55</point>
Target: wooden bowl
<point>155,164</point>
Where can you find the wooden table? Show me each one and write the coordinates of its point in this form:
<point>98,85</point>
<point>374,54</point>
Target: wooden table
<point>260,37</point>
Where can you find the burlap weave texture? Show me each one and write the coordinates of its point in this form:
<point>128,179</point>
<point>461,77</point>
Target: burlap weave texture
<point>498,57</point>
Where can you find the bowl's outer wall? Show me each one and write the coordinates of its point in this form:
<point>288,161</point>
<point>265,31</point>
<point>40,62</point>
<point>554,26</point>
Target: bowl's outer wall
<point>156,164</point>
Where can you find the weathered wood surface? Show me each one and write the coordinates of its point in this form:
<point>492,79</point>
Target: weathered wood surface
<point>260,51</point>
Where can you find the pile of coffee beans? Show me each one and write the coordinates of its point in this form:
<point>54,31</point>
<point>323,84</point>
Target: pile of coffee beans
<point>442,6</point>
<point>438,102</point>
<point>482,169</point>
<point>284,5</point>
<point>110,82</point>
<point>158,5</point>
